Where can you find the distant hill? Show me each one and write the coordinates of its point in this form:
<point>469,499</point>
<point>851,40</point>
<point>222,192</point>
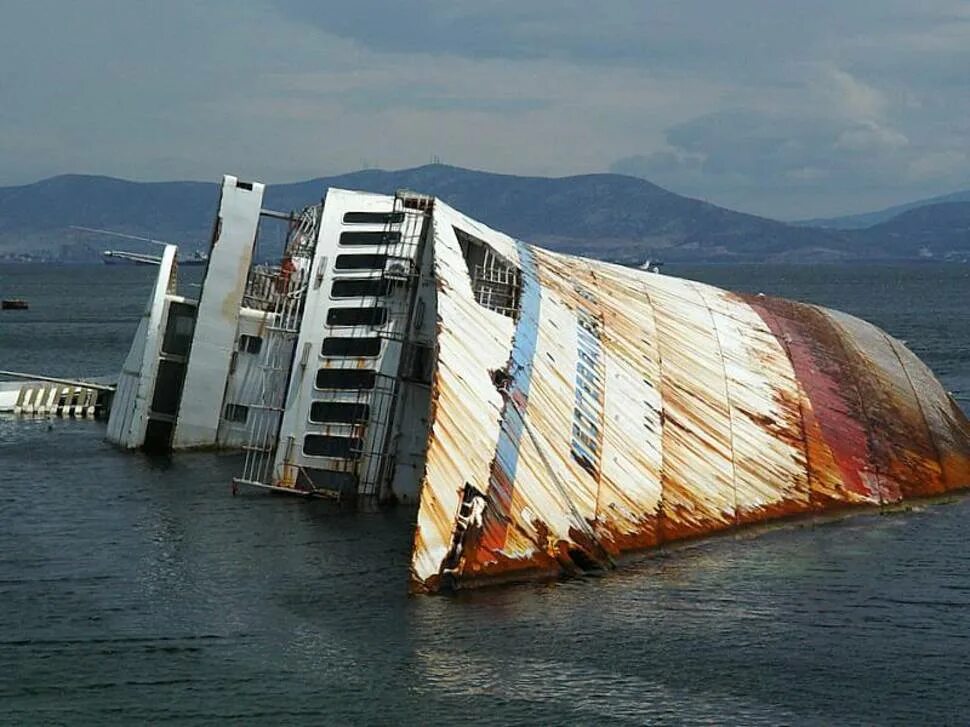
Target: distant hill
<point>929,229</point>
<point>602,215</point>
<point>868,219</point>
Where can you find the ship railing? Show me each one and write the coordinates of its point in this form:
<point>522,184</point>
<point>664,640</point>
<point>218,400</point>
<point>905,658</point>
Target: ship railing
<point>281,291</point>
<point>401,273</point>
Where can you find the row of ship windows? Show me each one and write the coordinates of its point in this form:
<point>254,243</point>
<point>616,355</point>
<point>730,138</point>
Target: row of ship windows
<point>320,445</point>
<point>360,261</point>
<point>382,237</point>
<point>350,346</point>
<point>327,411</point>
<point>360,288</point>
<point>357,317</point>
<point>321,412</point>
<point>366,287</point>
<point>326,445</point>
<point>317,445</point>
<point>346,379</point>
<point>417,366</point>
<point>373,218</point>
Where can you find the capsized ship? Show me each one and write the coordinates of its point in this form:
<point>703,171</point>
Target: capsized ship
<point>544,413</point>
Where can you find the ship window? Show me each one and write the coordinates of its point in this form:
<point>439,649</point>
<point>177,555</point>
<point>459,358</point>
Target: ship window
<point>236,413</point>
<point>373,218</point>
<point>168,387</point>
<point>348,379</point>
<point>158,436</point>
<point>418,363</point>
<point>328,480</point>
<point>320,445</point>
<point>495,281</point>
<point>359,288</point>
<point>178,329</point>
<point>250,344</point>
<point>350,346</point>
<point>338,412</point>
<point>248,186</point>
<point>356,316</point>
<point>361,261</point>
<point>383,237</point>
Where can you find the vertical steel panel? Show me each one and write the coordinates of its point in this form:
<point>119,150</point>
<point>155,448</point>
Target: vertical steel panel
<point>628,500</point>
<point>947,424</point>
<point>903,451</point>
<point>836,430</point>
<point>466,405</point>
<point>698,469</point>
<point>766,420</point>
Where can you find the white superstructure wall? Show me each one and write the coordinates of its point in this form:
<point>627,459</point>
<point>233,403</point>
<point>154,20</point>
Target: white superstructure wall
<point>214,342</point>
<point>346,388</point>
<point>131,408</point>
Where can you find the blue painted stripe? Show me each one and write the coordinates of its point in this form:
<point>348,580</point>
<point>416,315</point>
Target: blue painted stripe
<point>523,353</point>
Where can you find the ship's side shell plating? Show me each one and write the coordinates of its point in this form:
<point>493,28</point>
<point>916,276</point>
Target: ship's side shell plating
<point>618,410</point>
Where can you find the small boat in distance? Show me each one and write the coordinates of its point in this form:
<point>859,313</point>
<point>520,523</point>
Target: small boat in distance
<point>126,257</point>
<point>14,304</point>
<point>123,257</point>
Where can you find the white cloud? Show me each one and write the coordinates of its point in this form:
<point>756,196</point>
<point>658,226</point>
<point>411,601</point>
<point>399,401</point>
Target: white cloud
<point>939,164</point>
<point>844,94</point>
<point>773,107</point>
<point>870,137</point>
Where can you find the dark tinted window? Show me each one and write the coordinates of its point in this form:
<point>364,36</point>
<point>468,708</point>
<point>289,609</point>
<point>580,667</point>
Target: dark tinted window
<point>318,479</point>
<point>158,436</point>
<point>373,218</point>
<point>370,238</point>
<point>237,412</point>
<point>356,316</point>
<point>360,261</point>
<point>345,379</point>
<point>348,346</point>
<point>178,329</point>
<point>360,288</point>
<point>250,344</point>
<point>319,445</point>
<point>338,412</point>
<point>418,363</point>
<point>168,387</point>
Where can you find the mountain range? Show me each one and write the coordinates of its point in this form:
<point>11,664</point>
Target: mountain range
<point>609,216</point>
<point>868,219</point>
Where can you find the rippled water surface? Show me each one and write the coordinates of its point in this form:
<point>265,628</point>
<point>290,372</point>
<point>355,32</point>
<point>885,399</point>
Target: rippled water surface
<point>139,590</point>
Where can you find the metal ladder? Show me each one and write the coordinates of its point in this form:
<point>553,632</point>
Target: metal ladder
<point>282,295</point>
<point>401,273</point>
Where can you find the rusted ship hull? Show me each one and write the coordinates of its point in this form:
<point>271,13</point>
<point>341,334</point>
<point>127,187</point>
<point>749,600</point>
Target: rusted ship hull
<point>637,409</point>
<point>546,412</point>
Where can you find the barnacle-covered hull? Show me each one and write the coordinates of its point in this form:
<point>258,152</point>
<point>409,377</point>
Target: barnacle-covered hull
<point>616,410</point>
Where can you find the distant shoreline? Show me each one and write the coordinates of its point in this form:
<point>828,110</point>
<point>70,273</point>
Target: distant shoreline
<point>675,264</point>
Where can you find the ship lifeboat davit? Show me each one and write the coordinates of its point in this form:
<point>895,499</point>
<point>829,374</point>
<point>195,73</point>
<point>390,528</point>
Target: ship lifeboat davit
<point>604,410</point>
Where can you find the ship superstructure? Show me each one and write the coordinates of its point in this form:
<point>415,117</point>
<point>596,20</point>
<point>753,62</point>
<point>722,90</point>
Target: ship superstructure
<point>546,413</point>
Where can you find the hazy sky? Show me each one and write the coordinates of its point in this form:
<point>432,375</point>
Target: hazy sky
<point>790,108</point>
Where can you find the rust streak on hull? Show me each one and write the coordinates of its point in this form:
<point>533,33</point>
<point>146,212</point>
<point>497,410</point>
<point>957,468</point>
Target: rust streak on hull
<point>646,410</point>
